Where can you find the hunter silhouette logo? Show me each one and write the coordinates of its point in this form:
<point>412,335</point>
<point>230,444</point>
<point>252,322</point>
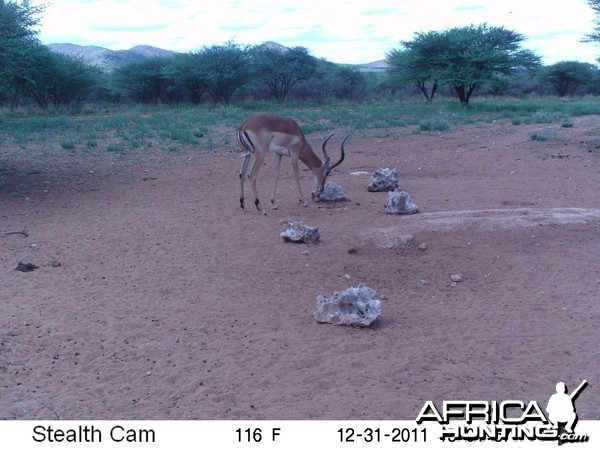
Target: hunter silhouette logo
<point>479,420</point>
<point>561,410</point>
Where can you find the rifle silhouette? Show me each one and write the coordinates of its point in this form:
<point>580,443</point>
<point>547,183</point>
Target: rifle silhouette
<point>576,392</point>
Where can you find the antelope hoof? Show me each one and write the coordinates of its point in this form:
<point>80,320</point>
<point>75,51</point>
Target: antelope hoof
<point>273,205</point>
<point>257,203</point>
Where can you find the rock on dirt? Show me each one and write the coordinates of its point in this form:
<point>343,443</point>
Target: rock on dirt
<point>300,232</point>
<point>399,202</point>
<point>354,306</point>
<point>383,180</point>
<point>332,192</point>
<point>26,267</point>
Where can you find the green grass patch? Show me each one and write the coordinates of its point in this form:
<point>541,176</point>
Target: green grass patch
<point>544,135</point>
<point>115,148</point>
<point>208,127</point>
<point>435,123</point>
<point>544,117</point>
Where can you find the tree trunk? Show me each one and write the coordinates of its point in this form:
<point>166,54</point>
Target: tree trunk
<point>464,94</point>
<point>421,85</point>
<point>460,90</point>
<point>433,89</point>
<point>471,89</point>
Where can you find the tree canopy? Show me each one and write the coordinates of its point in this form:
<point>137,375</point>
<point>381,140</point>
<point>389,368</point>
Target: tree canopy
<point>17,37</point>
<point>463,58</point>
<point>567,76</point>
<point>142,81</point>
<point>281,69</point>
<point>28,69</point>
<point>225,68</point>
<point>419,62</point>
<point>594,36</point>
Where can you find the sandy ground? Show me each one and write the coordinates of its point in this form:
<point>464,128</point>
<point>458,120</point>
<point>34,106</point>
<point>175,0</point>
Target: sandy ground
<point>156,298</point>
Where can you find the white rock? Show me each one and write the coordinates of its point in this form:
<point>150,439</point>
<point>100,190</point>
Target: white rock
<point>354,306</point>
<point>384,180</point>
<point>300,232</point>
<point>399,202</point>
<point>331,193</point>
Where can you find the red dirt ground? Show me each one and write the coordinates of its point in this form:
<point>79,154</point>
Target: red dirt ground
<point>170,303</point>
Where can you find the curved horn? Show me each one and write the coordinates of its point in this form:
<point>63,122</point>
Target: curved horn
<point>324,144</point>
<point>341,157</point>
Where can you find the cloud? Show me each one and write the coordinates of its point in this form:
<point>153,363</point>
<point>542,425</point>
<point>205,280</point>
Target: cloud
<point>376,12</point>
<point>338,30</point>
<point>469,7</point>
<point>241,27</point>
<point>129,28</point>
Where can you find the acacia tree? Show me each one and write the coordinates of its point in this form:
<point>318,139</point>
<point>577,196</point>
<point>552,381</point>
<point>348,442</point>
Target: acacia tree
<point>282,68</point>
<point>28,69</point>
<point>594,36</point>
<point>187,77</point>
<point>142,81</point>
<point>463,58</point>
<point>348,83</point>
<point>17,39</point>
<point>418,62</point>
<point>70,79</point>
<point>567,76</point>
<point>218,71</point>
<point>225,69</point>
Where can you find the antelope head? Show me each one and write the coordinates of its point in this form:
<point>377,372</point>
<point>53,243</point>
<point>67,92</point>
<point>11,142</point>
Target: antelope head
<point>326,168</point>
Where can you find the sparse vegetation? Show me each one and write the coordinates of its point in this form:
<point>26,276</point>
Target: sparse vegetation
<point>435,123</point>
<point>544,135</point>
<point>115,148</point>
<point>137,127</point>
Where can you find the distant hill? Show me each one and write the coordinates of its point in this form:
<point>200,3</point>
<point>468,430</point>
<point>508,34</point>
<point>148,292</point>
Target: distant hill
<point>108,60</point>
<point>274,46</point>
<point>375,66</point>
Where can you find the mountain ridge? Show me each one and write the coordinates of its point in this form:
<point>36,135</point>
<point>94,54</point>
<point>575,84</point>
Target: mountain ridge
<point>109,60</point>
<point>106,59</point>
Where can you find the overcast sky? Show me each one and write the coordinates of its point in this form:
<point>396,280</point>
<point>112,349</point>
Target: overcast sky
<point>342,31</point>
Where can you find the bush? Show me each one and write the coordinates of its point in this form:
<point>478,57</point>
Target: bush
<point>544,135</point>
<point>435,123</point>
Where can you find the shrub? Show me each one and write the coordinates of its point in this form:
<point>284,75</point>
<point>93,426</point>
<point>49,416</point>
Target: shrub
<point>434,124</point>
<point>544,135</point>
